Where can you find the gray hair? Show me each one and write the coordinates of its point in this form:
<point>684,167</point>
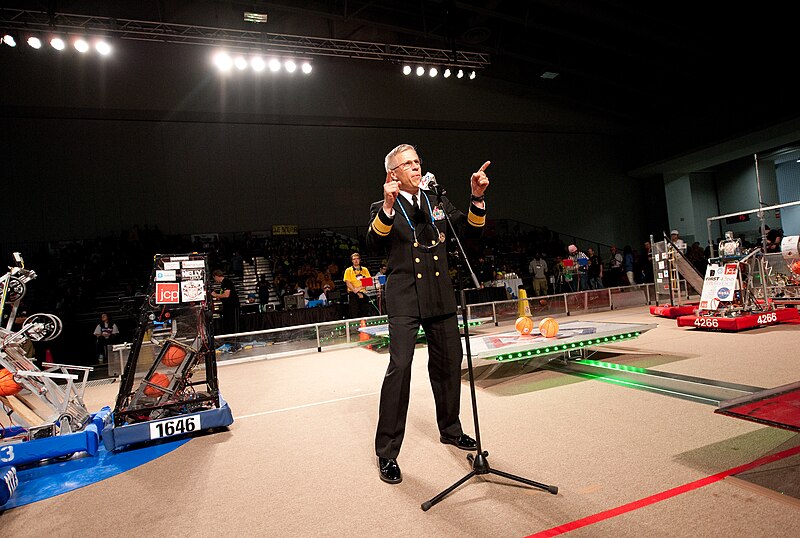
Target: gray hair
<point>392,154</point>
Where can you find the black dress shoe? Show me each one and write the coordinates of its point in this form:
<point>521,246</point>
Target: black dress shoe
<point>464,442</point>
<point>390,471</point>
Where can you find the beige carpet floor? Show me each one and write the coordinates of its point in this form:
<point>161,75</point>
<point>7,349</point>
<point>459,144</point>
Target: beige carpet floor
<point>299,461</point>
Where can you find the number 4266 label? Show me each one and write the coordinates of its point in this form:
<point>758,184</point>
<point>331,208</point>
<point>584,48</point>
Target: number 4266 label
<point>175,426</point>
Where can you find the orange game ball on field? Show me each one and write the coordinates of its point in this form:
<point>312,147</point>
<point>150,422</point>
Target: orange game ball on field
<point>173,356</point>
<point>548,327</point>
<point>524,325</point>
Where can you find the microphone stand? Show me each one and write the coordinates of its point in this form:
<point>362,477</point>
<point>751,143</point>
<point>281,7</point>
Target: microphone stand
<point>480,463</point>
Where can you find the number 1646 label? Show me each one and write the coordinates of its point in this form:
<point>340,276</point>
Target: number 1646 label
<point>175,426</point>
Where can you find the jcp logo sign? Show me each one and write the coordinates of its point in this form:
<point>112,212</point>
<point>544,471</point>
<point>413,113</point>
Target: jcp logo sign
<point>168,293</point>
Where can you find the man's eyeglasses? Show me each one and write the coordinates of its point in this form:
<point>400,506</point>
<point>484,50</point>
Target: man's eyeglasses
<point>408,164</point>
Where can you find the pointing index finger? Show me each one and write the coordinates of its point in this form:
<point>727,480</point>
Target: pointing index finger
<point>485,166</point>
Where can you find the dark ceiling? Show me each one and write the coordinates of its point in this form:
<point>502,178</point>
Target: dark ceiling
<point>701,70</point>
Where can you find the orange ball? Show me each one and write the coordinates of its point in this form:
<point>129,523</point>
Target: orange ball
<point>548,327</point>
<point>8,387</point>
<point>524,325</point>
<point>795,267</point>
<point>157,379</point>
<point>173,356</point>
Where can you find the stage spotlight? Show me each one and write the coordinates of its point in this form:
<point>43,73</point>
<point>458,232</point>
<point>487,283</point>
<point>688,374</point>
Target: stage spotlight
<point>306,68</point>
<point>81,45</point>
<point>274,65</point>
<point>240,63</point>
<point>34,42</point>
<point>258,64</point>
<point>447,73</point>
<point>102,47</point>
<point>57,43</point>
<point>406,69</point>
<point>460,73</point>
<point>9,40</point>
<point>290,66</point>
<point>472,76</point>
<point>433,72</point>
<point>420,71</point>
<point>223,61</point>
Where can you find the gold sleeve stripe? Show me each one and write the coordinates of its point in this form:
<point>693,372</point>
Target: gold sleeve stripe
<point>379,227</point>
<point>476,220</point>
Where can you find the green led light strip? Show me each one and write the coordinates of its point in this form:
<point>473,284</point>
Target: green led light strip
<point>560,348</point>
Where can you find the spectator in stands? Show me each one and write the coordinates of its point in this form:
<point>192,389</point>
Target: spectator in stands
<point>484,271</point>
<point>595,270</point>
<point>105,334</point>
<point>380,281</point>
<point>615,267</point>
<point>627,264</point>
<point>357,300</point>
<point>646,263</point>
<point>229,298</point>
<point>679,243</point>
<point>262,288</point>
<point>774,240</point>
<point>580,264</point>
<point>538,270</point>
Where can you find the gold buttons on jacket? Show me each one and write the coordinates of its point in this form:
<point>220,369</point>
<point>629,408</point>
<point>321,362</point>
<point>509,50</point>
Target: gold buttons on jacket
<point>416,260</point>
<point>416,244</point>
<point>436,258</point>
<point>419,275</point>
<point>437,273</point>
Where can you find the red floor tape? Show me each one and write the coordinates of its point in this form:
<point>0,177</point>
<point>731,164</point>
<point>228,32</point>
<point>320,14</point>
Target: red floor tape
<point>664,495</point>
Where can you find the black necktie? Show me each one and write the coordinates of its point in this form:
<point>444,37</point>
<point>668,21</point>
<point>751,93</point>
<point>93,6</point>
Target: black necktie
<point>414,200</point>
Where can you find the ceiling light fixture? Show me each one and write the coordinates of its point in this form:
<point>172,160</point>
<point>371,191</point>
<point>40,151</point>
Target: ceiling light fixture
<point>34,42</point>
<point>102,47</point>
<point>223,61</point>
<point>57,43</point>
<point>9,40</point>
<point>81,45</point>
<point>258,64</point>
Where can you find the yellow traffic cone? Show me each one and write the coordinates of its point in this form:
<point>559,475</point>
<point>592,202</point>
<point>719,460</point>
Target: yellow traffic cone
<point>523,305</point>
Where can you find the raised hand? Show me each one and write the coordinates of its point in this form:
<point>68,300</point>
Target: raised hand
<point>480,180</point>
<point>391,190</point>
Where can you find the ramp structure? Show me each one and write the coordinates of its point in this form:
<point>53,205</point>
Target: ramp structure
<point>672,272</point>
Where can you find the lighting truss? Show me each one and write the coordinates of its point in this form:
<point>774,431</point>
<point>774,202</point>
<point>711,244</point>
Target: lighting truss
<point>21,20</point>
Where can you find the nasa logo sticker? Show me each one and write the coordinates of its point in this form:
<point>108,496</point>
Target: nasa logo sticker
<point>723,293</point>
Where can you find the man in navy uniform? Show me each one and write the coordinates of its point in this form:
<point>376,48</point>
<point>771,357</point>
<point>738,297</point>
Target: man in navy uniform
<point>410,223</point>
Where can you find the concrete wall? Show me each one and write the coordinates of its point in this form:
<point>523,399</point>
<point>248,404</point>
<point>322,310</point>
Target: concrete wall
<point>154,135</point>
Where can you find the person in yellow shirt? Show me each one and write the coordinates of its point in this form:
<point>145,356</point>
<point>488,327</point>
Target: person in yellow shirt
<point>357,300</point>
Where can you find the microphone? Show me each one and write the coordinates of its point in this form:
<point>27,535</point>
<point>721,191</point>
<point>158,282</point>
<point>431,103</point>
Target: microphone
<point>428,182</point>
